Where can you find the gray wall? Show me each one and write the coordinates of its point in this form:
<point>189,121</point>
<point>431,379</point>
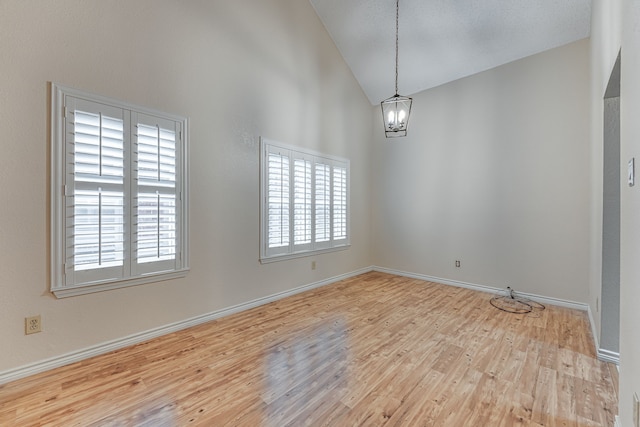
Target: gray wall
<point>610,302</point>
<point>495,173</point>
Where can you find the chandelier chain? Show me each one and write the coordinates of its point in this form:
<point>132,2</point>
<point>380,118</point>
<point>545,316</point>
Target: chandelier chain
<point>397,15</point>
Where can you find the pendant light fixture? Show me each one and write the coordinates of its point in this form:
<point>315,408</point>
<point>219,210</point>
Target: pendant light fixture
<point>396,110</point>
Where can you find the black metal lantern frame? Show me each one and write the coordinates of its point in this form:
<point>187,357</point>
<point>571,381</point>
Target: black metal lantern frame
<point>396,110</point>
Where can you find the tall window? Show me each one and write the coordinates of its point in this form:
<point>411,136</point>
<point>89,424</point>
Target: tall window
<point>304,202</point>
<point>118,194</point>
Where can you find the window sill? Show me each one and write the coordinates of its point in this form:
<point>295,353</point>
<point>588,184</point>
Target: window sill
<point>276,258</point>
<point>89,288</point>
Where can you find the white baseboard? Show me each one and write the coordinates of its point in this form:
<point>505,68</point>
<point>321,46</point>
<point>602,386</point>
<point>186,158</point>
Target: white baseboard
<point>604,355</point>
<point>616,423</point>
<point>609,356</point>
<point>106,347</point>
<point>483,288</point>
<point>594,332</point>
<point>76,356</point>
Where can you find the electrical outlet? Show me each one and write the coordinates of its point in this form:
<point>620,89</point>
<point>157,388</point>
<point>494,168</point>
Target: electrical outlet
<point>32,325</point>
<point>458,264</point>
<point>636,410</point>
<point>313,265</point>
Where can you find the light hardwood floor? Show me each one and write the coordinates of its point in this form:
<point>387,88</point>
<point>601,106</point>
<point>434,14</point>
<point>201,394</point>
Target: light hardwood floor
<point>376,350</point>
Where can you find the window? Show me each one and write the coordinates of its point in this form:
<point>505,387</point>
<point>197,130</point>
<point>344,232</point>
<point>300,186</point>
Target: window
<point>119,194</point>
<point>304,202</point>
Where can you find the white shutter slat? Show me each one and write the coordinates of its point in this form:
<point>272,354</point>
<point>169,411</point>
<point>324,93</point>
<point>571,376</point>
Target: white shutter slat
<point>278,201</point>
<point>301,202</point>
<point>97,226</point>
<point>156,156</point>
<point>339,203</point>
<point>98,147</point>
<point>98,230</point>
<point>155,216</point>
<point>323,203</point>
<point>156,227</point>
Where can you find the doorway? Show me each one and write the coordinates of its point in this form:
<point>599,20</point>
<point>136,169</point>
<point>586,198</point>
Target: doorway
<point>610,293</point>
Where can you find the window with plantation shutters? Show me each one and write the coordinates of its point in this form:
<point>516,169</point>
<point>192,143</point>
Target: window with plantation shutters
<point>304,202</point>
<point>118,194</point>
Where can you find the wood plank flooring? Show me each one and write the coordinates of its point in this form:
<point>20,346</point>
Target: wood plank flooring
<point>373,350</point>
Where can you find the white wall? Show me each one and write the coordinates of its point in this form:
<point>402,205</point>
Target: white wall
<point>239,70</point>
<point>616,26</point>
<point>604,46</point>
<point>495,173</point>
<point>630,212</point>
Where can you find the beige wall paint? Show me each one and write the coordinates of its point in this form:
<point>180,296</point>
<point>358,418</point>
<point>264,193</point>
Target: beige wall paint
<point>495,173</point>
<point>239,70</point>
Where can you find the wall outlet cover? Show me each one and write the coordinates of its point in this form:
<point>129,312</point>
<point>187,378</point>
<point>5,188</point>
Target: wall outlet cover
<point>33,325</point>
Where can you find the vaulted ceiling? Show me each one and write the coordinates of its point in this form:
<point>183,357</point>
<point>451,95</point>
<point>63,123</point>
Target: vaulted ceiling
<point>444,40</point>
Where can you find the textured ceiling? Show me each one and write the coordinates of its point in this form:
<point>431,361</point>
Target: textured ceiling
<point>444,40</point>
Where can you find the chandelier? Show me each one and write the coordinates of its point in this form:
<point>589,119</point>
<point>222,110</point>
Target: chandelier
<point>396,110</point>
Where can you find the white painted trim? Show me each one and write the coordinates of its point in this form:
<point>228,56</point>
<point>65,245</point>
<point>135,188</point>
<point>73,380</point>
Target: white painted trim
<point>291,251</point>
<point>609,356</point>
<point>106,347</point>
<point>309,253</point>
<point>62,283</point>
<point>89,288</point>
<point>490,289</point>
<point>594,332</point>
<point>604,355</point>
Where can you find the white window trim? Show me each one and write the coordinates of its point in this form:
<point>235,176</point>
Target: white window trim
<point>291,252</point>
<point>58,204</point>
